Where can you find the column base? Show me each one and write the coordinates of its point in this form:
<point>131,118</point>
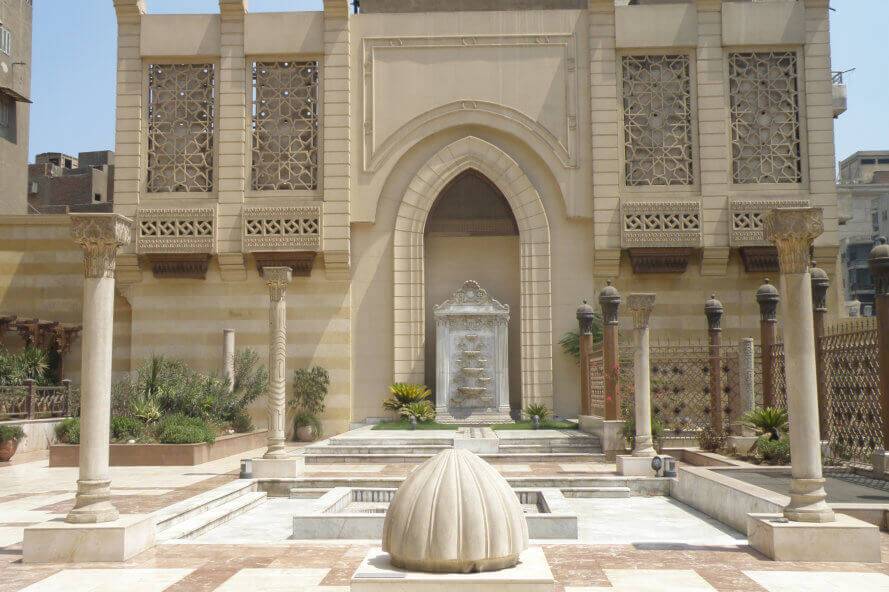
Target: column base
<point>880,462</point>
<point>92,503</point>
<point>808,502</point>
<point>635,466</point>
<point>58,541</point>
<point>846,539</point>
<point>278,468</point>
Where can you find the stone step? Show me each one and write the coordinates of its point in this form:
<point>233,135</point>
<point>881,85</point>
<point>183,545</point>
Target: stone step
<point>180,511</point>
<point>542,449</point>
<point>588,492</point>
<point>210,519</point>
<point>578,441</point>
<point>356,450</point>
<point>400,441</point>
<point>307,492</point>
<point>357,459</point>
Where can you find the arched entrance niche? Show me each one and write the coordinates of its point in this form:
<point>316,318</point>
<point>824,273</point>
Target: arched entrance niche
<point>471,234</point>
<point>535,321</point>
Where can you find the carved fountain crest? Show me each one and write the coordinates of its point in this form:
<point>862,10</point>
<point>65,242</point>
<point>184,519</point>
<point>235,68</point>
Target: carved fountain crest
<point>472,370</point>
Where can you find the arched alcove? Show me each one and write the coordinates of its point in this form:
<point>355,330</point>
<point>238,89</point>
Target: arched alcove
<point>471,234</point>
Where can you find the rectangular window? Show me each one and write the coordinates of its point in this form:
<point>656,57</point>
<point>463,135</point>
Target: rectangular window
<point>764,100</point>
<point>285,126</point>
<point>868,161</point>
<point>883,161</point>
<point>657,120</point>
<point>5,40</point>
<point>7,107</point>
<point>181,111</point>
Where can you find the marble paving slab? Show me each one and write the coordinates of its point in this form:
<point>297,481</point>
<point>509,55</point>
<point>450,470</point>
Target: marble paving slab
<point>100,580</point>
<point>797,581</point>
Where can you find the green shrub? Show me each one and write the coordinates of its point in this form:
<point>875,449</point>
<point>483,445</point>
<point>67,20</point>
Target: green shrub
<point>309,389</point>
<point>304,418</point>
<point>181,429</point>
<point>68,431</point>
<point>538,409</point>
<point>767,419</point>
<point>31,363</point>
<point>423,411</point>
<point>251,379</point>
<point>126,428</point>
<point>242,423</point>
<point>711,440</point>
<point>403,394</point>
<point>773,452</point>
<point>11,432</point>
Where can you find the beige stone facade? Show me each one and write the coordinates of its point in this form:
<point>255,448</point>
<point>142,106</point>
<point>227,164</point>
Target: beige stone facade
<point>626,141</point>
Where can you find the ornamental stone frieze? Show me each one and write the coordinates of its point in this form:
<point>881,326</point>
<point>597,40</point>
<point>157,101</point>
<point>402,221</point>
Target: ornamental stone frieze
<point>282,229</point>
<point>176,230</point>
<point>747,219</point>
<point>660,224</point>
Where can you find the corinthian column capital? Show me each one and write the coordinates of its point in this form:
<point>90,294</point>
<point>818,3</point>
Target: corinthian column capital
<point>641,305</point>
<point>792,230</point>
<point>100,235</point>
<point>277,279</point>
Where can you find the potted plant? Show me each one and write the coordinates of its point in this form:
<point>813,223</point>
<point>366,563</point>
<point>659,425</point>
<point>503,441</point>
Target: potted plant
<point>10,436</point>
<point>309,390</point>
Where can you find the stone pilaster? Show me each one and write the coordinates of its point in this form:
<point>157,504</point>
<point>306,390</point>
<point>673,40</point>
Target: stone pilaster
<point>228,356</point>
<point>641,305</point>
<point>746,379</point>
<point>605,120</point>
<point>231,121</point>
<point>129,151</point>
<point>336,132</point>
<point>277,279</point>
<point>100,236</point>
<point>792,231</point>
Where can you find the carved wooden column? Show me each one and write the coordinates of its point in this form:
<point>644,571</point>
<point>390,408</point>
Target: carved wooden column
<point>277,278</point>
<point>642,305</point>
<point>820,284</point>
<point>713,309</point>
<point>792,230</point>
<point>879,269</point>
<point>99,235</point>
<point>609,301</point>
<point>768,298</point>
<point>585,316</point>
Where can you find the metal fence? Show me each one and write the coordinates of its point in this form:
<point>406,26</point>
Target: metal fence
<point>29,401</point>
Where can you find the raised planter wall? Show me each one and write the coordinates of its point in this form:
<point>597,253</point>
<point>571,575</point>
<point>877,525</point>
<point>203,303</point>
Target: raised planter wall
<point>164,455</point>
<point>40,434</point>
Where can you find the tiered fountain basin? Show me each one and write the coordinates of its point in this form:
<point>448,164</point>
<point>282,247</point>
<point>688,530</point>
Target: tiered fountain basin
<point>359,513</point>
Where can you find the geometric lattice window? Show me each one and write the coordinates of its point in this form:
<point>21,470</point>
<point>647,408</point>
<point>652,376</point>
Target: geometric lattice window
<point>764,95</point>
<point>285,126</point>
<point>657,120</point>
<point>180,127</point>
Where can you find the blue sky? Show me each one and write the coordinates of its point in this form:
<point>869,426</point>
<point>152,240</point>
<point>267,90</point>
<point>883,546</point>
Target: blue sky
<point>74,70</point>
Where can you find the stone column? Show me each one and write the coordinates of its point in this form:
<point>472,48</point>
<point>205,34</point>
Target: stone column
<point>713,309</point>
<point>585,316</point>
<point>768,298</point>
<point>792,230</point>
<point>99,235</point>
<point>746,397</point>
<point>820,284</point>
<point>609,301</point>
<point>879,269</point>
<point>228,356</point>
<point>641,305</point>
<point>277,279</point>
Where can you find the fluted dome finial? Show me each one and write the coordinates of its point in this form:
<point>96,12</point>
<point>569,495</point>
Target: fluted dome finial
<point>455,514</point>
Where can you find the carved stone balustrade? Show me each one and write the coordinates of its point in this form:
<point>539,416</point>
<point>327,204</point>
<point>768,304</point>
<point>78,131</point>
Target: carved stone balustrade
<point>176,242</point>
<point>283,236</point>
<point>660,235</point>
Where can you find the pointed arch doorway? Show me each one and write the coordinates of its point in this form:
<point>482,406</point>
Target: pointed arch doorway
<point>471,234</point>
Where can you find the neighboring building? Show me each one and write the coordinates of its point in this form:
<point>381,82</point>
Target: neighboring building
<point>863,191</point>
<point>59,183</point>
<point>15,90</point>
<point>539,148</point>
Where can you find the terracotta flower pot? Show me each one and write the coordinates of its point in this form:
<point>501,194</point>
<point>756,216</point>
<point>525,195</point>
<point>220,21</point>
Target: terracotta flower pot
<point>305,433</point>
<point>7,449</point>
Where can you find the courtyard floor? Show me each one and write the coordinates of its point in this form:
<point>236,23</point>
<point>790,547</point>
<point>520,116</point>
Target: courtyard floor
<point>637,544</point>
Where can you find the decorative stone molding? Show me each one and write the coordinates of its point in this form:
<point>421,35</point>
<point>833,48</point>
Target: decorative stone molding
<point>179,265</point>
<point>176,230</point>
<point>376,150</point>
<point>660,224</point>
<point>641,304</point>
<point>759,259</point>
<point>792,230</point>
<point>100,235</point>
<point>747,216</point>
<point>660,260</point>
<point>300,262</point>
<point>269,229</point>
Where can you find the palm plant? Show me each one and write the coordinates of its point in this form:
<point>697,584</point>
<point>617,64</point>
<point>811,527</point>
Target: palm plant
<point>767,420</point>
<point>423,411</point>
<point>404,394</point>
<point>538,409</point>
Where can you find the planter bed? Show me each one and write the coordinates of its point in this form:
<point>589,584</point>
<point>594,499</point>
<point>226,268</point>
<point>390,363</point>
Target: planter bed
<point>164,455</point>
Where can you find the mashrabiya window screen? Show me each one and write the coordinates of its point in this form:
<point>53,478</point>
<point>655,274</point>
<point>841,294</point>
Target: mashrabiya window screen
<point>285,126</point>
<point>181,110</point>
<point>764,95</point>
<point>657,120</point>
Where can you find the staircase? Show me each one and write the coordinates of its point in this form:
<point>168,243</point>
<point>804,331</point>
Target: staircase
<point>191,518</point>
